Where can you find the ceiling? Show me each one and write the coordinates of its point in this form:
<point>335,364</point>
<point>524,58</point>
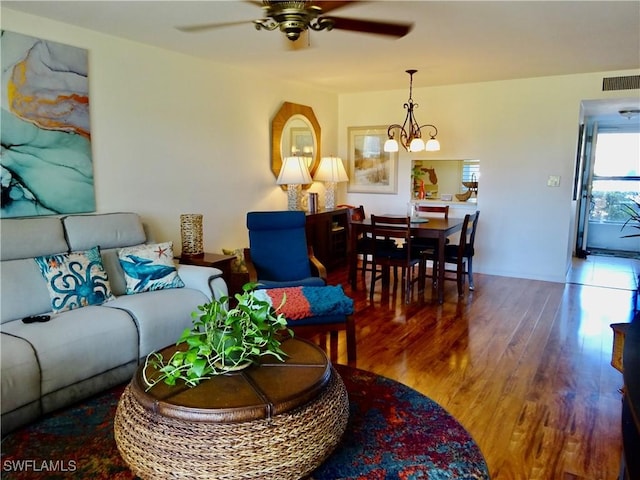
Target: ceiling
<point>451,42</point>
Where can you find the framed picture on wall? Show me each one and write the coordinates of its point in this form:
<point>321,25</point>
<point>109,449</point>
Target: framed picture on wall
<point>47,167</point>
<point>371,169</point>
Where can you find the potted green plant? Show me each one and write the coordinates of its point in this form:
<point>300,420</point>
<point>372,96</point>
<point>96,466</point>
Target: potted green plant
<point>634,218</point>
<point>221,340</point>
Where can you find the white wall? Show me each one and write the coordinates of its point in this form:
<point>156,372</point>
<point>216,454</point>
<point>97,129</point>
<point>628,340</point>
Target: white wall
<point>522,131</point>
<point>172,134</point>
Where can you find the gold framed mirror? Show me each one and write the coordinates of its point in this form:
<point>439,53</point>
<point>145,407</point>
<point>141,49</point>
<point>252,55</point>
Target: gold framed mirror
<point>295,131</point>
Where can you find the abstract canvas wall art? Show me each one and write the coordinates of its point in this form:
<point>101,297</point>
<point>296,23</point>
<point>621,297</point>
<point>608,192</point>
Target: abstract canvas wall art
<point>45,163</point>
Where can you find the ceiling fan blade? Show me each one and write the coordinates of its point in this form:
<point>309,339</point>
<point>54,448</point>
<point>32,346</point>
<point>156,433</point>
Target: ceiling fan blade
<point>210,26</point>
<point>330,5</point>
<point>371,26</point>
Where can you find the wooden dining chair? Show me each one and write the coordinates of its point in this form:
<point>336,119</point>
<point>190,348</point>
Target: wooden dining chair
<point>461,255</point>
<point>432,210</point>
<point>364,242</point>
<point>400,255</point>
<point>440,209</point>
<point>428,247</point>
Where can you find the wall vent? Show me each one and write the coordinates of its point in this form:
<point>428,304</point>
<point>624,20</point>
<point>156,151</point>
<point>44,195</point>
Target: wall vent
<point>621,83</point>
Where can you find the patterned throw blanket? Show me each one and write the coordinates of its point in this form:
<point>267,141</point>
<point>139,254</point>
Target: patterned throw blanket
<point>305,302</point>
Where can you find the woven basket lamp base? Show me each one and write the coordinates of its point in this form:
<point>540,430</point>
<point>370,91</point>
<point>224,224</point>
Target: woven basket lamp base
<point>286,446</point>
<point>191,233</point>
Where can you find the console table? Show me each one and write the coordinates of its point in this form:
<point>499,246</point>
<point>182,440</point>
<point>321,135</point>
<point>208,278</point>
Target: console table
<point>327,234</point>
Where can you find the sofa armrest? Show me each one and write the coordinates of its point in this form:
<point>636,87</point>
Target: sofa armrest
<point>206,279</point>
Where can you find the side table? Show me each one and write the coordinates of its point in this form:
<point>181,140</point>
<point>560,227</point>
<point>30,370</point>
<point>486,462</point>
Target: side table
<point>223,262</point>
<point>275,421</point>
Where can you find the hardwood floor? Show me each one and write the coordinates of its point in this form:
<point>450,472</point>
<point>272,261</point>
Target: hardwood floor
<point>524,365</point>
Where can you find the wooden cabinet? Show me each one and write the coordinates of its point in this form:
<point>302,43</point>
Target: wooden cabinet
<point>327,234</point>
<point>631,403</point>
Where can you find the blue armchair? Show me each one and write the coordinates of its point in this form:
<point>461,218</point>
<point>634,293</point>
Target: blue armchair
<point>278,257</point>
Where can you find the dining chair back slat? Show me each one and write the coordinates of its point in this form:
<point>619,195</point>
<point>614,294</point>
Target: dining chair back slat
<point>440,209</point>
<point>395,252</point>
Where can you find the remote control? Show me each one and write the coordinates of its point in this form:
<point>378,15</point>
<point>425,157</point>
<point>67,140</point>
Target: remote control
<point>36,318</point>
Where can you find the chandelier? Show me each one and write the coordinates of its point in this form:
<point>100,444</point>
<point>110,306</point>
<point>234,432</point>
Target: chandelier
<point>410,132</point>
<point>292,17</point>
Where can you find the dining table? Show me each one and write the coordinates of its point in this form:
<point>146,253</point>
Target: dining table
<point>436,228</point>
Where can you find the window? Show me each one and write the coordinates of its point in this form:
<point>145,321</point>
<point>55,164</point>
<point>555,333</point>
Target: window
<point>470,170</point>
<point>616,176</point>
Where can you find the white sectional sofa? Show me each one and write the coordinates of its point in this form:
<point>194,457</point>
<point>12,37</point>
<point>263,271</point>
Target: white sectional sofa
<point>79,352</point>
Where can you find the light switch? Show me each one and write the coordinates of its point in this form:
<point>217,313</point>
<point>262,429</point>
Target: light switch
<point>553,181</point>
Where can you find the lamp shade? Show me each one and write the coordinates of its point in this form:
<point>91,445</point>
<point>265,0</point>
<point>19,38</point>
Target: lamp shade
<point>432,145</point>
<point>391,145</point>
<point>331,169</point>
<point>416,145</point>
<point>294,171</point>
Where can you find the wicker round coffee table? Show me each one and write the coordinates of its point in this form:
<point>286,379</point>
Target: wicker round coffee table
<point>273,421</point>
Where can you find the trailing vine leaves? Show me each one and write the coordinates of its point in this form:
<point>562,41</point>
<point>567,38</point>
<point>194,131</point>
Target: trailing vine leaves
<point>221,339</point>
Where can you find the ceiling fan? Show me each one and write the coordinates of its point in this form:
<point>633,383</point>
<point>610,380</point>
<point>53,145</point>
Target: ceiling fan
<point>293,17</point>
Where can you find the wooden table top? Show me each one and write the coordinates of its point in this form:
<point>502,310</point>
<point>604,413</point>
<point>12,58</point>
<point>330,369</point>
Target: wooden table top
<point>205,259</point>
<point>256,392</point>
<point>433,224</point>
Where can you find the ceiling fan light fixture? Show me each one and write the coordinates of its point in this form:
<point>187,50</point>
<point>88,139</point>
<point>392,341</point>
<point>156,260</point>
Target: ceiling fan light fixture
<point>292,29</point>
<point>629,113</point>
<point>322,24</point>
<point>266,24</point>
<point>410,132</point>
<point>292,17</point>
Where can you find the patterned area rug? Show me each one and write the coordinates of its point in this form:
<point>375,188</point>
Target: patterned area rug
<point>394,432</point>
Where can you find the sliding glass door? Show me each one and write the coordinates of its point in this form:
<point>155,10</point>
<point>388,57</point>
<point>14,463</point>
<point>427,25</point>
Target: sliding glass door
<point>614,186</point>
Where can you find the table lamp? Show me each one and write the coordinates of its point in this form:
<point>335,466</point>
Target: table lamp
<point>294,173</point>
<point>331,171</point>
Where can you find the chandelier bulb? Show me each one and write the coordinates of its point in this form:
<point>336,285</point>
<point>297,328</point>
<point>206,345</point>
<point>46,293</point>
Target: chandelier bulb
<point>416,145</point>
<point>432,145</point>
<point>391,145</point>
